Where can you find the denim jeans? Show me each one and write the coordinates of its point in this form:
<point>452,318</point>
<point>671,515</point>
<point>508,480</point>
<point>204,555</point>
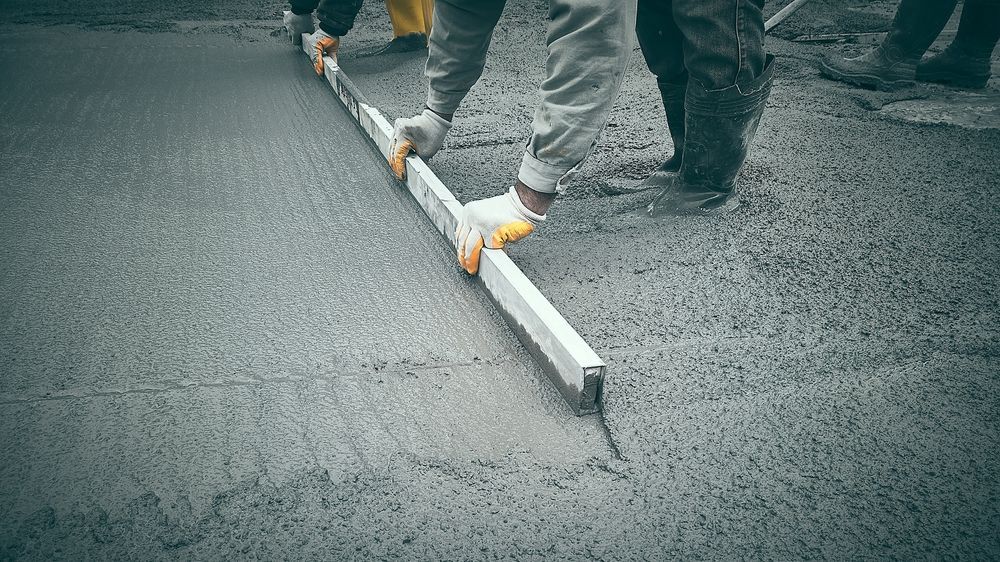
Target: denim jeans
<point>918,23</point>
<point>719,43</point>
<point>589,44</point>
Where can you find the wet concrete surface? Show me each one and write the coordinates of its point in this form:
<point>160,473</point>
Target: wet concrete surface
<point>814,376</point>
<point>201,287</point>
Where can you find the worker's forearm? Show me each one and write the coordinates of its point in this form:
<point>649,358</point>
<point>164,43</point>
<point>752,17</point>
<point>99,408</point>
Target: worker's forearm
<point>590,42</point>
<point>300,7</point>
<point>336,17</point>
<point>457,50</point>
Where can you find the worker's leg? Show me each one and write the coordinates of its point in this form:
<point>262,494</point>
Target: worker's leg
<point>729,82</point>
<point>916,25</point>
<point>979,28</point>
<point>428,8</point>
<point>966,62</point>
<point>894,63</point>
<point>406,16</point>
<point>660,40</point>
<point>723,40</point>
<point>457,50</point>
<point>408,27</point>
<point>589,44</point>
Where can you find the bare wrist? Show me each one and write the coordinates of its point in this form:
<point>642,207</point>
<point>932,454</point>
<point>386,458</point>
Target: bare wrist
<point>535,201</point>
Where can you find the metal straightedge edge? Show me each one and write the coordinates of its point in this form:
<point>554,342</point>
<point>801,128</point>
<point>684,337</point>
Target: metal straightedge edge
<point>572,366</point>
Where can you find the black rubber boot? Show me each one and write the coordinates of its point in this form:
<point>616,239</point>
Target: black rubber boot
<point>404,44</point>
<point>893,64</point>
<point>966,62</point>
<point>673,104</point>
<point>720,126</point>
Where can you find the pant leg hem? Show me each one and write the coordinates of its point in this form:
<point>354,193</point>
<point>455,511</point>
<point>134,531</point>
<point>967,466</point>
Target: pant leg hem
<point>543,177</point>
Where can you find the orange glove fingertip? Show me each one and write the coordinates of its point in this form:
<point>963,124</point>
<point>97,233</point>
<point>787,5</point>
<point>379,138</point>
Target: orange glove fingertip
<point>472,264</point>
<point>398,163</point>
<point>512,233</point>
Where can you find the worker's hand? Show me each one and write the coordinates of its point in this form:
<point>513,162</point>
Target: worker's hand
<point>423,134</point>
<point>296,25</point>
<point>322,44</point>
<point>493,223</point>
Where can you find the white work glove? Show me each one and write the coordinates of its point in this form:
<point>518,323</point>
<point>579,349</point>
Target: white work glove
<point>423,134</point>
<point>297,24</point>
<point>492,222</point>
<point>322,44</point>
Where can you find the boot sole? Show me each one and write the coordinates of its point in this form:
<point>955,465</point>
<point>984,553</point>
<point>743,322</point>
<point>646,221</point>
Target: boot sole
<point>658,180</point>
<point>726,207</point>
<point>864,80</point>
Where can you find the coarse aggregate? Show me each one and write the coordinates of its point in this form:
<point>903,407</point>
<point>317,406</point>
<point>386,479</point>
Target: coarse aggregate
<point>814,376</point>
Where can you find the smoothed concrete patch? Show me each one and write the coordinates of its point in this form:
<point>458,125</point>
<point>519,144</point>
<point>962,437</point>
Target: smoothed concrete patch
<point>971,110</point>
<point>208,275</point>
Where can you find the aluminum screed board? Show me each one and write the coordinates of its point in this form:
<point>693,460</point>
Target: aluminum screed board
<point>570,363</point>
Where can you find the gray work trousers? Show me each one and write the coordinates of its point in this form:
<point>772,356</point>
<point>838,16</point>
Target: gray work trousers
<point>589,43</point>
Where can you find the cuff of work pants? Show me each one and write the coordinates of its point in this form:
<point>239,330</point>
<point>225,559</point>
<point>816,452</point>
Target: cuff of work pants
<point>543,177</point>
<point>333,30</point>
<point>441,102</point>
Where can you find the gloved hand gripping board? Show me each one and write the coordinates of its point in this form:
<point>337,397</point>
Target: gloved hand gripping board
<point>572,366</point>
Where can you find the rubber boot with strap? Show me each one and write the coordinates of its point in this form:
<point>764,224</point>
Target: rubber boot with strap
<point>720,126</point>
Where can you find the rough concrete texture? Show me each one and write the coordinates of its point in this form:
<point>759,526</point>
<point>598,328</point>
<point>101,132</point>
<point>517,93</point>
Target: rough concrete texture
<point>815,376</point>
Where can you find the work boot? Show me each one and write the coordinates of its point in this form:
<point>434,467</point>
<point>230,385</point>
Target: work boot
<point>966,62</point>
<point>404,44</point>
<point>673,105</point>
<point>955,68</point>
<point>881,69</point>
<point>893,64</point>
<point>719,127</point>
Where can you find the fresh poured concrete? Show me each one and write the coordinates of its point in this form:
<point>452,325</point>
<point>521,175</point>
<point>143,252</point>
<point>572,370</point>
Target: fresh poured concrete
<point>208,276</point>
<point>813,377</point>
